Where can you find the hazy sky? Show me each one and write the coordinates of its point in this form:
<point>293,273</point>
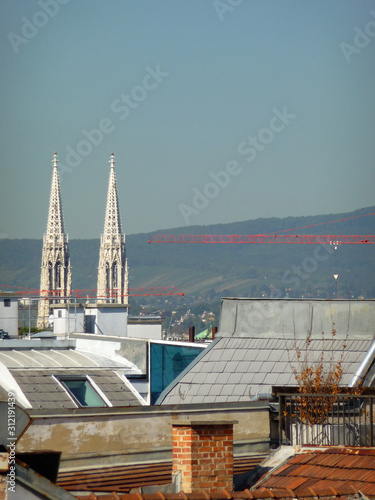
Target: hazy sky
<point>216,110</point>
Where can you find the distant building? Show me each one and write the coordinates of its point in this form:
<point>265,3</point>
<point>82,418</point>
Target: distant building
<point>9,314</point>
<point>103,319</point>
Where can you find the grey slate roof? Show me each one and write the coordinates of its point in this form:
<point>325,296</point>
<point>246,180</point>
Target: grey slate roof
<point>253,353</point>
<point>43,391</point>
<point>236,369</point>
<point>35,364</point>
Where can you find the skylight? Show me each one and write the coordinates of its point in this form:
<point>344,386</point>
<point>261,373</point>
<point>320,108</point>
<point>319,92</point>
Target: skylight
<point>82,391</point>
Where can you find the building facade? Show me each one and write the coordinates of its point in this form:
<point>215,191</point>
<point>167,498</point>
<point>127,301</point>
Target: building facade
<point>9,314</point>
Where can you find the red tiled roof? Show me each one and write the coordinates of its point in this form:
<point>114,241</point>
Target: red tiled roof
<point>125,477</point>
<point>332,467</point>
<point>117,478</point>
<point>343,493</point>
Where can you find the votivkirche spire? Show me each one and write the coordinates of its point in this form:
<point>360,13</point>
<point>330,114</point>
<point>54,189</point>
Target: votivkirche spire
<point>55,280</point>
<point>113,283</point>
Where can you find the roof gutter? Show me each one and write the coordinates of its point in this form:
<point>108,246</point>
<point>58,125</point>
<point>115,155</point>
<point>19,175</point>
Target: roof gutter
<point>364,366</point>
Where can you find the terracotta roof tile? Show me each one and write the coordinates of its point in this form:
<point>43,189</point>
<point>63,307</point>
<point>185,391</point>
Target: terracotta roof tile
<point>349,461</point>
<point>364,463</point>
<point>329,459</point>
<point>368,489</point>
<point>325,468</point>
<point>310,471</point>
<point>286,469</point>
<point>284,482</point>
<point>122,478</point>
<point>302,458</point>
<point>344,493</point>
<point>323,484</point>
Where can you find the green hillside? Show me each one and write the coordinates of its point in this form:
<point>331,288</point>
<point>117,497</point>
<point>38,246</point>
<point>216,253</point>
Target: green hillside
<point>211,271</point>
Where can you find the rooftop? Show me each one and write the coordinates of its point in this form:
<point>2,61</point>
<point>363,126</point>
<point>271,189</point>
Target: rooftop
<point>258,342</point>
<point>35,370</point>
<point>241,369</point>
<point>321,468</point>
<point>43,388</point>
<point>346,493</point>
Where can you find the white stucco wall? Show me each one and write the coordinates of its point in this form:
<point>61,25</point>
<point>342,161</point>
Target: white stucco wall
<point>68,321</point>
<point>109,320</point>
<point>9,315</point>
<point>145,331</point>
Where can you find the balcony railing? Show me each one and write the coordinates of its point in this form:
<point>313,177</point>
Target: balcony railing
<point>324,419</point>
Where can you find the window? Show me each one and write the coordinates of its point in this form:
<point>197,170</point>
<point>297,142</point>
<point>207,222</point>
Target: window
<point>6,302</point>
<point>166,363</point>
<point>82,391</point>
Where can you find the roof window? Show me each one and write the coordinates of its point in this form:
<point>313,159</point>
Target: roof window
<point>82,391</point>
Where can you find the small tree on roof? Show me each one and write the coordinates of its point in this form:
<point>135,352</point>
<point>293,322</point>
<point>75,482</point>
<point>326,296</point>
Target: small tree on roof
<point>322,376</point>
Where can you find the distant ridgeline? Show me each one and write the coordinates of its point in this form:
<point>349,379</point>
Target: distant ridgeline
<point>212,271</point>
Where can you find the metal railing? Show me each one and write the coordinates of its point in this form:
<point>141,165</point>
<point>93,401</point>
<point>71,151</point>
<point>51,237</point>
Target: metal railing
<point>324,419</point>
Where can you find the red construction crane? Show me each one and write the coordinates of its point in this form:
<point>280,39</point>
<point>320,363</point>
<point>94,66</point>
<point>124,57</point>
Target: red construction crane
<point>321,239</point>
<point>265,238</point>
<point>92,292</point>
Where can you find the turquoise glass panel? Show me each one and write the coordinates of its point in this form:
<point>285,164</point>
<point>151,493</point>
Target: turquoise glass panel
<point>167,362</point>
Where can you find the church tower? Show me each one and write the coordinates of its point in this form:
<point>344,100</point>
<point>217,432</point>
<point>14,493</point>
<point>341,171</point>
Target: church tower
<point>113,282</point>
<point>55,279</point>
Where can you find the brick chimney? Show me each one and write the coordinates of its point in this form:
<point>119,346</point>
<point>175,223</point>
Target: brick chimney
<point>203,454</point>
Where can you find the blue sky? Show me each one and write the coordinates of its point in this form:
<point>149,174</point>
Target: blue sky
<point>216,110</point>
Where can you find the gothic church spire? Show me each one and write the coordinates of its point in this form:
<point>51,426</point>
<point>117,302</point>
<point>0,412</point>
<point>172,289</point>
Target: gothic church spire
<point>113,284</point>
<point>112,222</point>
<point>55,279</point>
<point>55,222</point>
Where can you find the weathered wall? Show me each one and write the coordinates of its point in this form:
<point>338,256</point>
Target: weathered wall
<point>289,317</point>
<point>136,351</point>
<point>128,435</point>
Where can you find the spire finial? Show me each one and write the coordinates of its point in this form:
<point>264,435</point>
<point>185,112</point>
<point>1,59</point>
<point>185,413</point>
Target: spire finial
<point>55,160</point>
<point>112,160</point>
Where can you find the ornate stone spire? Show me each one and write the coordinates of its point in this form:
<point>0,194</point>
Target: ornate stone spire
<point>56,276</point>
<point>55,222</point>
<point>113,283</point>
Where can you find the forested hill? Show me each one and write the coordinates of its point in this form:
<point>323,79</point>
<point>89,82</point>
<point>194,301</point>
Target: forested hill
<point>217,270</point>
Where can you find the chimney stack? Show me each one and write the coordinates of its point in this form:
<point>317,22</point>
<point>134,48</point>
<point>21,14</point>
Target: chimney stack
<point>191,333</point>
<point>203,455</point>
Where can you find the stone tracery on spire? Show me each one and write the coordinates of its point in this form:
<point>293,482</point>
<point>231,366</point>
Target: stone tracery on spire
<point>113,285</point>
<point>55,279</point>
<point>112,222</point>
<point>55,222</point>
